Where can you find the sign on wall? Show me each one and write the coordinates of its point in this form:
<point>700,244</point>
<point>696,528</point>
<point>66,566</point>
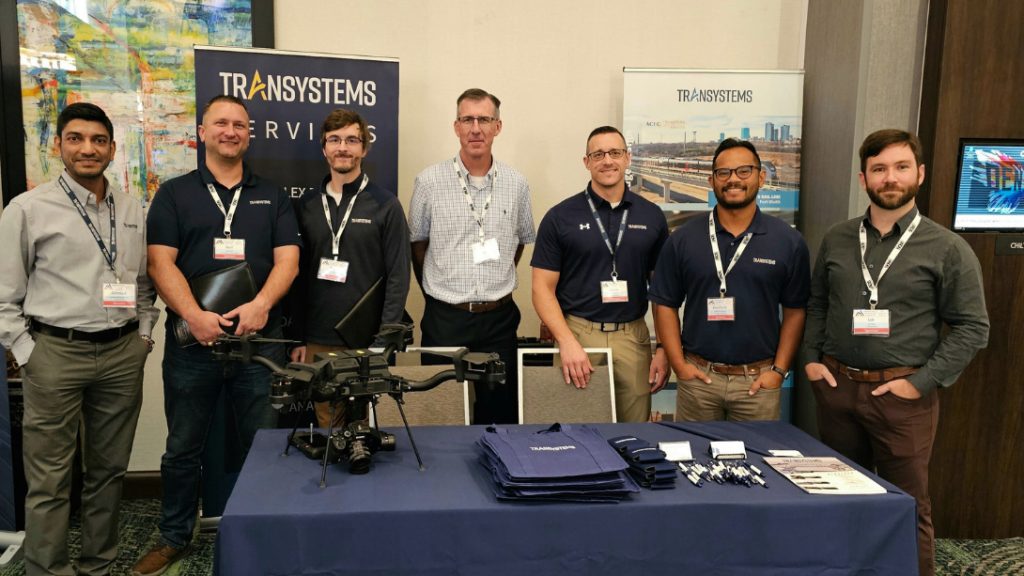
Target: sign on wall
<point>289,94</point>
<point>674,119</point>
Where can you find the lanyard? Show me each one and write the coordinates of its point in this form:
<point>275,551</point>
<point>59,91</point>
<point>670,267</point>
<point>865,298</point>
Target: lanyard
<point>229,215</point>
<point>871,284</point>
<point>718,257</point>
<point>108,255</point>
<point>472,207</point>
<point>604,233</point>
<point>344,221</point>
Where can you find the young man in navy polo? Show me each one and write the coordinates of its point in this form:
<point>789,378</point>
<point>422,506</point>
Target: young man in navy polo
<point>204,221</point>
<point>733,270</point>
<point>595,252</point>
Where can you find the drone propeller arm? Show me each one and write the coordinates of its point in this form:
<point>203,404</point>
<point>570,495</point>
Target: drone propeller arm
<point>430,383</point>
<point>267,362</point>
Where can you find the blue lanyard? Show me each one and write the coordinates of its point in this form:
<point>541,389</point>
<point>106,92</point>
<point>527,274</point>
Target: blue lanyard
<point>108,255</point>
<point>604,233</point>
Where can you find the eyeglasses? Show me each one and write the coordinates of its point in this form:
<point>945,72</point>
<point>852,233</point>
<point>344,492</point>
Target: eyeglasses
<point>743,172</point>
<point>335,141</point>
<point>615,153</point>
<point>484,121</point>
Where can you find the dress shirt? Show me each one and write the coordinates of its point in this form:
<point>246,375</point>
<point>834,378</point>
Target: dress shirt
<point>53,271</point>
<point>439,212</point>
<point>935,279</point>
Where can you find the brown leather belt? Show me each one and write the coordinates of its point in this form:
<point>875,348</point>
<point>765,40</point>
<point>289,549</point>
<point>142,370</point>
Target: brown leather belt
<point>740,370</point>
<point>480,306</point>
<point>101,337</point>
<point>858,375</point>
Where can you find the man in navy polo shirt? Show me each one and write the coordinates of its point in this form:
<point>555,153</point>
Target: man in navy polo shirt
<point>595,252</point>
<point>733,270</point>
<point>221,200</point>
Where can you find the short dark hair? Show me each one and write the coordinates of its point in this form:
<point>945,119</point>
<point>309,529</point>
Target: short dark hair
<point>879,140</point>
<point>225,98</point>
<point>83,111</point>
<point>476,94</point>
<point>341,118</point>
<point>605,130</point>
<point>729,144</point>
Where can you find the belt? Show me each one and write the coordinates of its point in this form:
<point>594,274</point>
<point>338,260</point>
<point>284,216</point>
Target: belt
<point>602,326</point>
<point>101,337</point>
<point>737,370</point>
<point>480,306</point>
<point>858,375</point>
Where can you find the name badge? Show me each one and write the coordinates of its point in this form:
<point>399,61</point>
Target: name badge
<point>871,323</point>
<point>332,270</point>
<point>485,250</point>
<point>228,249</point>
<point>721,309</point>
<point>118,295</point>
<point>614,291</point>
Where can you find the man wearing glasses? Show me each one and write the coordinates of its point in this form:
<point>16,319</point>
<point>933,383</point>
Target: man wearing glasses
<point>595,252</point>
<point>469,219</point>
<point>355,234</point>
<point>733,269</point>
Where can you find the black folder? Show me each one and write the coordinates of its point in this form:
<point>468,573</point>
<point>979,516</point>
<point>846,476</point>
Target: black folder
<point>221,292</point>
<point>360,326</point>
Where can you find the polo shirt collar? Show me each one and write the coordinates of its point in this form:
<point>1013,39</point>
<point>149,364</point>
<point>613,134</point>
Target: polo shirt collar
<point>627,197</point>
<point>758,225</point>
<point>901,225</point>
<point>248,178</point>
<point>84,196</point>
<point>465,172</point>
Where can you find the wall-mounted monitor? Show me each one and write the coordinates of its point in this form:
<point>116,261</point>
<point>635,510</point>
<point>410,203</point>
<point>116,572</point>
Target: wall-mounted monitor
<point>990,186</point>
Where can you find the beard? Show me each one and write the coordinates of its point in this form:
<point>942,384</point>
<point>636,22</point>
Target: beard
<point>738,204</point>
<point>890,203</point>
<point>338,164</point>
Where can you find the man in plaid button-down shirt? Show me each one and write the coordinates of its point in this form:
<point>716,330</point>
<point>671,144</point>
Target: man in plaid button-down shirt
<point>469,219</point>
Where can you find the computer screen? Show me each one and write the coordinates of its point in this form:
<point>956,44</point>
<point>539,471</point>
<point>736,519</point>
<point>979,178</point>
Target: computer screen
<point>990,186</point>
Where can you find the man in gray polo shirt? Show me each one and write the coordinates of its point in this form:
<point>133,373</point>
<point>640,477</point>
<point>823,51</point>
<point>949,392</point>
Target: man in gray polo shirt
<point>76,308</point>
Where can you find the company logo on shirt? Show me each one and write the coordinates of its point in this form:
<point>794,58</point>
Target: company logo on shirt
<point>267,202</point>
<point>127,225</point>
<point>764,261</point>
<point>362,221</point>
<point>638,226</point>
<point>552,448</point>
<point>584,226</point>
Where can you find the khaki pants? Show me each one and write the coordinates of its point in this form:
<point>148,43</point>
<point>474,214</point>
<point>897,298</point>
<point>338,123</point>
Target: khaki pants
<point>68,384</point>
<point>726,398</point>
<point>631,363</point>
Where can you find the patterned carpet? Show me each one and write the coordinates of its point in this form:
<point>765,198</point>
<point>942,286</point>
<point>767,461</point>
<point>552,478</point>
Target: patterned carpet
<point>139,519</point>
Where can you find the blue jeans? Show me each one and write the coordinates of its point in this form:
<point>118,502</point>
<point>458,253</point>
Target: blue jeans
<point>193,381</point>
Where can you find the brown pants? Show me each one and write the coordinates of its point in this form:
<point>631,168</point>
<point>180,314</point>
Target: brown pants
<point>323,409</point>
<point>887,433</point>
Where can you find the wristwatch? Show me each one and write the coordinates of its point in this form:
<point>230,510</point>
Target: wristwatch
<point>149,341</point>
<point>785,373</point>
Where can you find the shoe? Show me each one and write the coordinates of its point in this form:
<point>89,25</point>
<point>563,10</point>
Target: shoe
<point>159,559</point>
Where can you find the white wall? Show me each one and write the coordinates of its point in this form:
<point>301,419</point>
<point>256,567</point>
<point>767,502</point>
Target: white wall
<point>555,65</point>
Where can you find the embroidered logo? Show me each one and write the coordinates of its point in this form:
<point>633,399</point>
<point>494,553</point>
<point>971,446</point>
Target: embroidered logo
<point>127,225</point>
<point>361,221</point>
<point>267,202</point>
<point>764,261</point>
<point>638,226</point>
<point>584,226</point>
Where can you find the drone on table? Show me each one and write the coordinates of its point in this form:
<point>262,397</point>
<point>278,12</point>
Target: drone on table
<point>356,379</point>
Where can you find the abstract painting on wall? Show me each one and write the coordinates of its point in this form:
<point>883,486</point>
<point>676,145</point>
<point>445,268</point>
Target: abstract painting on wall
<point>134,59</point>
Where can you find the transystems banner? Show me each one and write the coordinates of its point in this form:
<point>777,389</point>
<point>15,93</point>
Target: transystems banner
<point>289,94</point>
<point>674,119</point>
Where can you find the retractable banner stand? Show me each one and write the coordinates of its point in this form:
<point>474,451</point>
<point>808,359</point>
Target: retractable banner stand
<point>673,121</point>
<point>288,95</point>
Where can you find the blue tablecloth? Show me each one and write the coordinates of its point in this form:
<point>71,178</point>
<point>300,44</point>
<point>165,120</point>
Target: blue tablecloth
<point>446,520</point>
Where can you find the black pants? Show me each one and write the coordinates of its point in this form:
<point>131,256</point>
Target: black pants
<point>494,331</point>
